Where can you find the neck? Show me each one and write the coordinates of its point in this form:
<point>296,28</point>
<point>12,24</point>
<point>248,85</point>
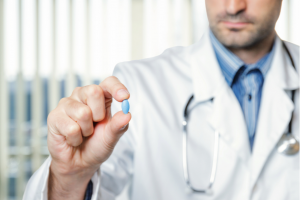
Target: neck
<point>254,53</point>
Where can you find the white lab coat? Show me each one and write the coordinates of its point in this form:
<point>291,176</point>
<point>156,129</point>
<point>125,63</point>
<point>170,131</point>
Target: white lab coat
<point>149,155</point>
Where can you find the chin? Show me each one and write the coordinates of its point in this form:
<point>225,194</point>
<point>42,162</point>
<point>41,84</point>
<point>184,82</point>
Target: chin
<point>235,38</point>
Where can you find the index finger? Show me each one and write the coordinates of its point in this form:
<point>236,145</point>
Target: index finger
<point>113,88</point>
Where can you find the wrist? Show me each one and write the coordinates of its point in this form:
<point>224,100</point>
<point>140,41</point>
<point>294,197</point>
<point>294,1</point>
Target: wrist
<point>68,185</point>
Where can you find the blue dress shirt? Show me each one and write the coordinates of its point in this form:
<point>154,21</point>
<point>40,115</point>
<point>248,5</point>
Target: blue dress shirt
<point>246,81</point>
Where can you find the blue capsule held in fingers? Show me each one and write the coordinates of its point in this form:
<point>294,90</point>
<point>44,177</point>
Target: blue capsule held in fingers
<point>125,106</point>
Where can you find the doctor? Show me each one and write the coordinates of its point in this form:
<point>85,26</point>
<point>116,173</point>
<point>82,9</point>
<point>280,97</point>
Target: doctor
<point>242,78</point>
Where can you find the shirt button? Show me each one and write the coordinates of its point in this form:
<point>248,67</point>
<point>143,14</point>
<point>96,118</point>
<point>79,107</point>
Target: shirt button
<point>249,97</point>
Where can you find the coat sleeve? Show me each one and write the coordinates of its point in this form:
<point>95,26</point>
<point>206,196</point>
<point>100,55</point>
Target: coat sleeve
<point>113,175</point>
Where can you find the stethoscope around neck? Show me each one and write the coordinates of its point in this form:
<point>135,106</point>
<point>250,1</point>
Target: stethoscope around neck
<point>287,145</point>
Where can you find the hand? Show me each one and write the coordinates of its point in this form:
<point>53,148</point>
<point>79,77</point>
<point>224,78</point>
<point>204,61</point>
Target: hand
<point>82,135</point>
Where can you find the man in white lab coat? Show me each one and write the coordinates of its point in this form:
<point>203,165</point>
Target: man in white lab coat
<point>242,78</point>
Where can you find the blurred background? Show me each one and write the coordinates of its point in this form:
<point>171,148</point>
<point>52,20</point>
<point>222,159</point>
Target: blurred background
<point>48,47</point>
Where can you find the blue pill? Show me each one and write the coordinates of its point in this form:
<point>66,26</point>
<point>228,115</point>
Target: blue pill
<point>125,106</point>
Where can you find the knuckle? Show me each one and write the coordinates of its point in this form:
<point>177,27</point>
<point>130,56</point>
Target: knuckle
<point>113,78</point>
<point>73,130</point>
<point>53,117</point>
<point>65,103</point>
<point>84,113</point>
<point>63,100</point>
<point>94,90</point>
<point>76,90</point>
<point>109,80</point>
<point>50,117</point>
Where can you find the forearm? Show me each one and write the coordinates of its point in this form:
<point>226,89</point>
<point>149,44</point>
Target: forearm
<point>67,187</point>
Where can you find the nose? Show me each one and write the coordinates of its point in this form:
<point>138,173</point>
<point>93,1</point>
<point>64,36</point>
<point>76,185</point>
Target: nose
<point>234,7</point>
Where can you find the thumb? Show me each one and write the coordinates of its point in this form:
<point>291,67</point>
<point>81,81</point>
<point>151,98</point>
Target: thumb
<point>115,128</point>
<point>106,135</point>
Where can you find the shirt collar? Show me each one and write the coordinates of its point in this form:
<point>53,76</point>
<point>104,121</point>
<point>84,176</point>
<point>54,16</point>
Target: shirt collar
<point>230,63</point>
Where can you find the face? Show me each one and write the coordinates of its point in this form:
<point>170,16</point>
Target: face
<point>242,23</point>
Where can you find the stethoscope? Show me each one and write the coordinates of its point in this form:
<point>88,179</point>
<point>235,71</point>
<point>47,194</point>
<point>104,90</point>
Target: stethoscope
<point>287,144</point>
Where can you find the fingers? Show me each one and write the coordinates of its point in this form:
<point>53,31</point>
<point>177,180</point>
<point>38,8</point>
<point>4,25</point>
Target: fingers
<point>91,104</point>
<point>60,123</point>
<point>112,87</point>
<point>93,97</point>
<point>81,114</point>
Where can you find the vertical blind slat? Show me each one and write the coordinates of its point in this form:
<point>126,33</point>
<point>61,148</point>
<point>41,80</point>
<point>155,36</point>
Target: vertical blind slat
<point>87,27</point>
<point>70,79</point>
<point>3,131</point>
<point>3,114</point>
<point>20,133</point>
<point>36,103</point>
<point>54,89</point>
<point>20,112</point>
<point>96,57</point>
<point>137,28</point>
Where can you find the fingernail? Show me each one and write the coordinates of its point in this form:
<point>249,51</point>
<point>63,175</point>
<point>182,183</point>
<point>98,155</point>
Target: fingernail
<point>122,93</point>
<point>123,127</point>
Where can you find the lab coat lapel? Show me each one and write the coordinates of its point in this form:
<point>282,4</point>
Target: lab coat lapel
<point>275,109</point>
<point>228,119</point>
<point>209,82</point>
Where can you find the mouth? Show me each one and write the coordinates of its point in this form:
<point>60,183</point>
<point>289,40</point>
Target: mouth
<point>235,25</point>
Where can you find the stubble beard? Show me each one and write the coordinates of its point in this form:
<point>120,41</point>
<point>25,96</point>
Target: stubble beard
<point>238,39</point>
